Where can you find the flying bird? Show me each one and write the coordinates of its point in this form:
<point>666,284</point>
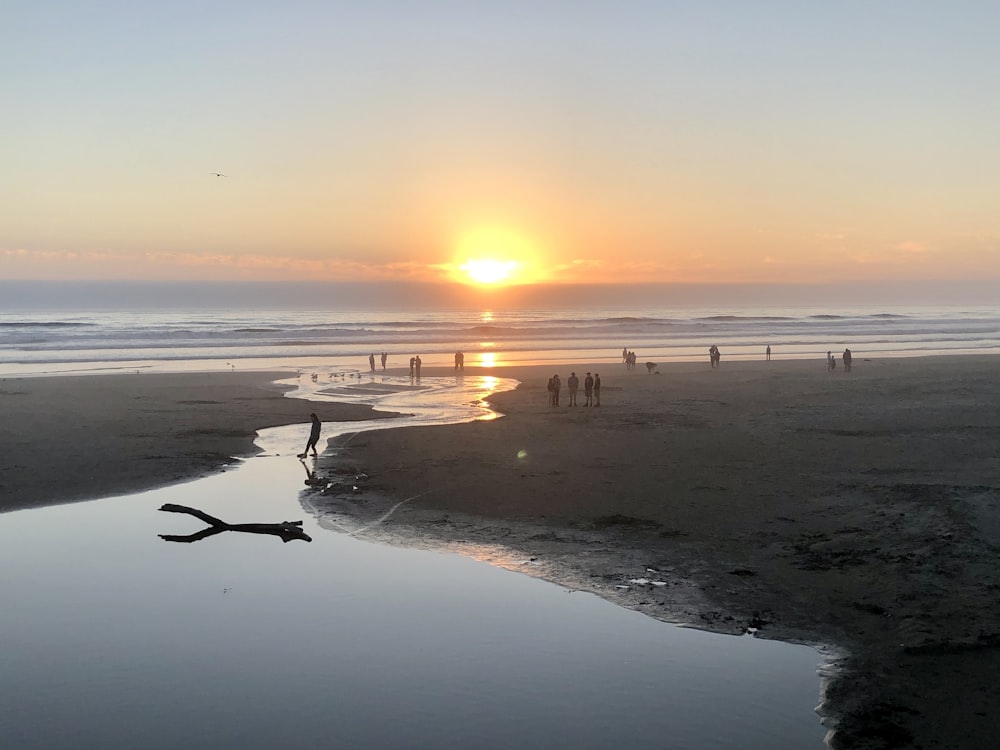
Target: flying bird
<point>217,174</point>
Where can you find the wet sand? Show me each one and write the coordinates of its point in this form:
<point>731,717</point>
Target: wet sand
<point>855,510</point>
<point>82,437</point>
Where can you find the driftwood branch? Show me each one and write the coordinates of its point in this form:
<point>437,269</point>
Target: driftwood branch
<point>286,530</point>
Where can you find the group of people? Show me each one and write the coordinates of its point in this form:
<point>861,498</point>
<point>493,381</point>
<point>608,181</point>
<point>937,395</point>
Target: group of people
<point>628,358</point>
<point>591,389</point>
<point>415,363</point>
<point>831,360</point>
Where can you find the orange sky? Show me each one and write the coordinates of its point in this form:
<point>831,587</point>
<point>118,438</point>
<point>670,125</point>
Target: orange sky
<point>611,144</point>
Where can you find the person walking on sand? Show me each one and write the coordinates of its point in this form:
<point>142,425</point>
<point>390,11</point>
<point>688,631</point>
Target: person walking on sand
<point>588,390</point>
<point>313,436</point>
<point>573,383</point>
<point>597,389</point>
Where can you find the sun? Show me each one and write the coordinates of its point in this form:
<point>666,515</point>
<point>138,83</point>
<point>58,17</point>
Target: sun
<point>490,270</point>
<point>492,257</point>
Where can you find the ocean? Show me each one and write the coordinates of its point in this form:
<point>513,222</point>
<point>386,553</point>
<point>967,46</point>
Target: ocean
<point>294,327</point>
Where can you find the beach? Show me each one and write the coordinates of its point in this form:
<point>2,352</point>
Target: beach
<point>852,511</point>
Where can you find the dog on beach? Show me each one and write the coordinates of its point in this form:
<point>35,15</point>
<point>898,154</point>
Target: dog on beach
<point>651,367</point>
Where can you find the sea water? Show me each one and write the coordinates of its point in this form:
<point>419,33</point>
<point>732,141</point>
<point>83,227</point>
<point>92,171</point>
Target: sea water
<point>115,638</point>
<point>49,335</point>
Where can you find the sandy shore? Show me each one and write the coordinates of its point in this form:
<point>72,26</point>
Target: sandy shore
<point>856,510</point>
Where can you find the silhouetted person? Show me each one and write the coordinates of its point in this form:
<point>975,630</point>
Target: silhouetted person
<point>313,436</point>
<point>385,356</point>
<point>459,361</point>
<point>588,390</point>
<point>831,361</point>
<point>847,360</point>
<point>573,383</point>
<point>416,365</point>
<point>371,361</point>
<point>556,387</point>
<point>767,353</point>
<point>625,355</point>
<point>413,366</point>
<point>597,389</point>
<point>713,355</point>
<point>551,388</point>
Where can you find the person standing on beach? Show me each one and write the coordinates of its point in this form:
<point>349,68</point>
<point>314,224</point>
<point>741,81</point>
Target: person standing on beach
<point>831,361</point>
<point>573,383</point>
<point>597,389</point>
<point>588,390</point>
<point>847,360</point>
<point>413,365</point>
<point>556,387</point>
<point>371,361</point>
<point>385,356</point>
<point>313,436</point>
<point>767,353</point>
<point>551,388</point>
<point>416,364</point>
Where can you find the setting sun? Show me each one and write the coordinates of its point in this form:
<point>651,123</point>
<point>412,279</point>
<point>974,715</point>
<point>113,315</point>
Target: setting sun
<point>495,257</point>
<point>490,271</point>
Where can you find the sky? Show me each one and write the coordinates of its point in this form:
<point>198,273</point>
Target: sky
<point>516,142</point>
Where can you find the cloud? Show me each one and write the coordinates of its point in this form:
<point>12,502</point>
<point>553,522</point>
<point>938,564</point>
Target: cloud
<point>578,264</point>
<point>98,263</point>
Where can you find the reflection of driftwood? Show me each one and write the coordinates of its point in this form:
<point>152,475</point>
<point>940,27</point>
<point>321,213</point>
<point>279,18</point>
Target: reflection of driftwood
<point>287,530</point>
